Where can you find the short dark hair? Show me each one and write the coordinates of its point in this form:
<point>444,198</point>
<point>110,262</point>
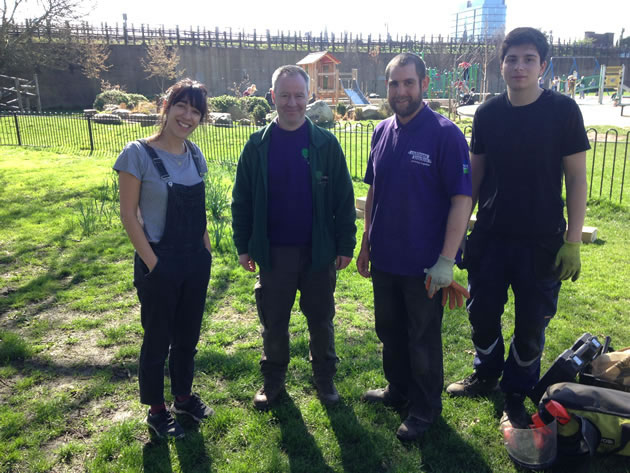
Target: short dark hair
<point>185,89</point>
<point>290,70</point>
<point>526,35</point>
<point>404,59</point>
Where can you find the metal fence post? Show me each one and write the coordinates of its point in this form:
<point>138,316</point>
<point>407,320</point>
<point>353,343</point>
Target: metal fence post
<point>17,129</point>
<point>89,120</point>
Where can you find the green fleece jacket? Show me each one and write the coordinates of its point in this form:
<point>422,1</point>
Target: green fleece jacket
<point>334,229</point>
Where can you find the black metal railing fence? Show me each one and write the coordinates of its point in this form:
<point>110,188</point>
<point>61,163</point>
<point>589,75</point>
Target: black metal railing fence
<point>607,161</point>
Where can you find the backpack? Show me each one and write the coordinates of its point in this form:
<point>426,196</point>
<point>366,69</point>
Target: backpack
<point>599,419</point>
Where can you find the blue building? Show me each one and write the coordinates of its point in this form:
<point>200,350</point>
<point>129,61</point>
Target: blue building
<point>476,20</point>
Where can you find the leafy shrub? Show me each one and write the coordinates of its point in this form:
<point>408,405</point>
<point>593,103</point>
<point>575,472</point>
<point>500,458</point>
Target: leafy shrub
<point>341,109</point>
<point>135,99</point>
<point>259,113</point>
<point>116,97</point>
<point>240,107</point>
<point>222,103</point>
<point>250,103</point>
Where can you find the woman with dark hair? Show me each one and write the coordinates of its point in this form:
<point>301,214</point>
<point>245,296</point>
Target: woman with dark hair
<point>162,207</point>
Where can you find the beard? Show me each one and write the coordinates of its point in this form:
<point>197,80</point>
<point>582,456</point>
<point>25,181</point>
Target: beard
<point>406,109</point>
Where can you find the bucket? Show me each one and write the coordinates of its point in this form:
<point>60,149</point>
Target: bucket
<point>533,448</point>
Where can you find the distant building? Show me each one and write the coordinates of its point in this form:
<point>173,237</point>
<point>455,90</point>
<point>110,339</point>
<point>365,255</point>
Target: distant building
<point>602,40</point>
<point>476,20</point>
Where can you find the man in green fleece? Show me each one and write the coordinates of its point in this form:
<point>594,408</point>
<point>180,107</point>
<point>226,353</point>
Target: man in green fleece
<point>293,214</point>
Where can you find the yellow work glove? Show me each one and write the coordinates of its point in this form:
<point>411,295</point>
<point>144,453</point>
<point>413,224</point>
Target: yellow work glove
<point>568,261</point>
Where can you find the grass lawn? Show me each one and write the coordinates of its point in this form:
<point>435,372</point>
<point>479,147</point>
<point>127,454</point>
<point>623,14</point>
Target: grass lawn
<point>70,337</point>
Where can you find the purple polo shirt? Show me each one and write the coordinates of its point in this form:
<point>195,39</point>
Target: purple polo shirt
<point>414,169</point>
<point>290,196</point>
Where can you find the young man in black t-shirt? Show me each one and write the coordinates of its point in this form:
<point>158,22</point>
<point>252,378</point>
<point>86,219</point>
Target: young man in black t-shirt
<point>523,142</point>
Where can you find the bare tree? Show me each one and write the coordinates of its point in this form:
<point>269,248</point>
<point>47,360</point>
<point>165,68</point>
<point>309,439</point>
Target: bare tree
<point>21,19</point>
<point>161,63</point>
<point>93,58</point>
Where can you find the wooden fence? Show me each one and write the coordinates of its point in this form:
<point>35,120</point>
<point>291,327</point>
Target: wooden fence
<point>280,40</point>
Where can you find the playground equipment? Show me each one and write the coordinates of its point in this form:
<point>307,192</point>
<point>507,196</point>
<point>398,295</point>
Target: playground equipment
<point>322,69</point>
<point>613,79</point>
<point>327,83</point>
<point>353,91</point>
<point>17,96</point>
<point>563,66</point>
<point>463,79</point>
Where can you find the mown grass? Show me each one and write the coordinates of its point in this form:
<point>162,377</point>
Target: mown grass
<point>70,337</point>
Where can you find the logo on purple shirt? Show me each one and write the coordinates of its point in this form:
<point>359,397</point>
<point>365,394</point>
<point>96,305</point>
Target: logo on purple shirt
<point>420,158</point>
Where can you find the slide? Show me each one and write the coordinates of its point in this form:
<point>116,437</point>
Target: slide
<point>355,95</point>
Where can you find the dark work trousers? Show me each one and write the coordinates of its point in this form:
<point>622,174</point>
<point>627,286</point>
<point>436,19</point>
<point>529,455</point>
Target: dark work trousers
<point>275,293</point>
<point>525,266</point>
<point>410,326</point>
<point>172,296</point>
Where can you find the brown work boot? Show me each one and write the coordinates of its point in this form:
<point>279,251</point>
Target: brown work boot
<point>326,391</point>
<point>267,395</point>
<point>384,396</point>
<point>473,385</point>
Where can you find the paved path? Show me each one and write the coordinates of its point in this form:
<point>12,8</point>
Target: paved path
<point>594,114</point>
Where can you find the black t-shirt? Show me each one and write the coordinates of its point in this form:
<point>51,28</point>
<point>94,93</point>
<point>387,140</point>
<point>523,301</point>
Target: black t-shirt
<point>521,193</point>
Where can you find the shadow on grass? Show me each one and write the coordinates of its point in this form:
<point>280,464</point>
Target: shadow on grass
<point>191,450</point>
<point>302,450</point>
<point>358,450</point>
<point>68,267</point>
<point>461,456</point>
<point>156,457</point>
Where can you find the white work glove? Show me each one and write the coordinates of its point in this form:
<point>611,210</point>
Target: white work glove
<point>441,274</point>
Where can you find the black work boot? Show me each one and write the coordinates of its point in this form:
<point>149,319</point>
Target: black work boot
<point>514,411</point>
<point>326,391</point>
<point>413,428</point>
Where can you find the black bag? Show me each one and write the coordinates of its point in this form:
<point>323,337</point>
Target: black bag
<point>600,419</point>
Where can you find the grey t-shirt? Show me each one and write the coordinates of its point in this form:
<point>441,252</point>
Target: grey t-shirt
<point>135,160</point>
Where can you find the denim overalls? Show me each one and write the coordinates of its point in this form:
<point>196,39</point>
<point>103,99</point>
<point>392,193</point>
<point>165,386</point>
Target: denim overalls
<point>172,295</point>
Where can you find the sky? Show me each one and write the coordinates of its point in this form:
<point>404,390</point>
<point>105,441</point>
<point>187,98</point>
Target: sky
<point>567,20</point>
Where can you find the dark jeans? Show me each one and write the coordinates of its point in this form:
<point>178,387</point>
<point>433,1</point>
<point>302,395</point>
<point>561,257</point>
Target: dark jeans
<point>172,299</point>
<point>275,293</point>
<point>410,326</point>
<point>499,264</point>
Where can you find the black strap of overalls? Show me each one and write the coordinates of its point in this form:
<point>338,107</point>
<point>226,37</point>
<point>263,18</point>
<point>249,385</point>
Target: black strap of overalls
<point>157,161</point>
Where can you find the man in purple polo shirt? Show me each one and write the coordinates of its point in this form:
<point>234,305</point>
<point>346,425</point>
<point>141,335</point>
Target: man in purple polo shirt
<point>416,214</point>
<point>293,214</point>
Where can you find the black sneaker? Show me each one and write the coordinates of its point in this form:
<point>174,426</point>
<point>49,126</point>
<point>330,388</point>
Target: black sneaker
<point>473,385</point>
<point>164,425</point>
<point>193,407</point>
<point>514,410</point>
